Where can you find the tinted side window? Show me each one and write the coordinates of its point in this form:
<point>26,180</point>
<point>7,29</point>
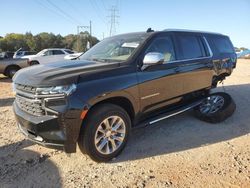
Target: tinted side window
<point>29,53</point>
<point>191,46</point>
<point>19,53</point>
<point>57,52</point>
<point>222,44</point>
<point>69,51</point>
<point>47,53</point>
<point>163,45</point>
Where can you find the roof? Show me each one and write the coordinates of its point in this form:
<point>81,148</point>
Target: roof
<point>165,30</point>
<point>56,49</point>
<point>191,31</point>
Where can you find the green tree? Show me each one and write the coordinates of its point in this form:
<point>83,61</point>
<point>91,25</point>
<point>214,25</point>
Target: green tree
<point>29,38</point>
<point>27,41</point>
<point>243,48</point>
<point>70,41</point>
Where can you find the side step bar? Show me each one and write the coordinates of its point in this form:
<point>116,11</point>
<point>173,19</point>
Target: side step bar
<point>161,117</point>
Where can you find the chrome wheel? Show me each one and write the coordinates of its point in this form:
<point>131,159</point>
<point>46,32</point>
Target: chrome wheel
<point>110,135</point>
<point>212,104</point>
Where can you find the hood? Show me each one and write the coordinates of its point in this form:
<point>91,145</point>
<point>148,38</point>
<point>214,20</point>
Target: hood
<point>59,73</point>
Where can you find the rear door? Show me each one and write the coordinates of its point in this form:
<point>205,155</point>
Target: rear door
<point>195,62</point>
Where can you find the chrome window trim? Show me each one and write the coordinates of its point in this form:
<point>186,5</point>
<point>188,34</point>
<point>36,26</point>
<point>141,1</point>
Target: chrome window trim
<point>208,46</point>
<point>198,58</point>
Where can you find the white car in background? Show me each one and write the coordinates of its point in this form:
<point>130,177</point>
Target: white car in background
<point>48,55</point>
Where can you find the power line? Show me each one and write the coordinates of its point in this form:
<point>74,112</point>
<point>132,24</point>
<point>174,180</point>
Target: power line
<point>74,8</point>
<point>113,20</point>
<point>97,11</point>
<point>63,12</point>
<point>55,12</point>
<point>104,4</point>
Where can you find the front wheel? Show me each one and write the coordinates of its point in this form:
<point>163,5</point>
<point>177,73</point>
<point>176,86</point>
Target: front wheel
<point>105,132</point>
<point>216,108</point>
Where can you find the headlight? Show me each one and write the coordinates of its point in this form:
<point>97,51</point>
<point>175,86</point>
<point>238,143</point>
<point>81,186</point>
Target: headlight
<point>67,89</point>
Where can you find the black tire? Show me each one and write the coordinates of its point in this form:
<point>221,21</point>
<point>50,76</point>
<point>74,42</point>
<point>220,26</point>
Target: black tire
<point>34,63</point>
<point>11,71</point>
<point>226,110</point>
<point>89,128</point>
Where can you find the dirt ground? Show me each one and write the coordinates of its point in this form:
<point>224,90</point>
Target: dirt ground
<point>178,152</point>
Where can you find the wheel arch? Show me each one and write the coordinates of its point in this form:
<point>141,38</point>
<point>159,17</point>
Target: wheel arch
<point>33,62</point>
<point>121,101</point>
<point>219,78</point>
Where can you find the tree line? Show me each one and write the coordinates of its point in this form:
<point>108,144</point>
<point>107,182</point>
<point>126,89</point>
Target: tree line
<point>13,41</point>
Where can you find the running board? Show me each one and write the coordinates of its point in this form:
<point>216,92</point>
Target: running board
<point>167,115</point>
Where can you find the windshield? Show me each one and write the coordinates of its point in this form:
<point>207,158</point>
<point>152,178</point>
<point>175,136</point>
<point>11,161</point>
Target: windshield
<point>114,49</point>
<point>41,52</point>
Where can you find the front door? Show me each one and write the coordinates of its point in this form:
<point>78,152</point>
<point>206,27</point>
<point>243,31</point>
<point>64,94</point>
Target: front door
<point>159,85</point>
<point>181,73</point>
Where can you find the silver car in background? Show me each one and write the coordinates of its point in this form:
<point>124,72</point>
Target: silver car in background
<point>9,67</point>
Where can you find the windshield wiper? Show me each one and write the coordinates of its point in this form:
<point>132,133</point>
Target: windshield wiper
<point>103,60</point>
<point>98,60</point>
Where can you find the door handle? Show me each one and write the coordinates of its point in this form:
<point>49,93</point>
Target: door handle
<point>177,69</point>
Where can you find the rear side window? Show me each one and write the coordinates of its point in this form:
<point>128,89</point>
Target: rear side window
<point>57,52</point>
<point>29,53</point>
<point>222,44</point>
<point>191,46</point>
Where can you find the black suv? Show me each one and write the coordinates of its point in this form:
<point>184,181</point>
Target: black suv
<point>123,82</point>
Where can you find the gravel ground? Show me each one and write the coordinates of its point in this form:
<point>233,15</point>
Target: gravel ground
<point>178,152</point>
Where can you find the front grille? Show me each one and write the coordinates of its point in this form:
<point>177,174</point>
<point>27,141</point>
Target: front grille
<point>31,106</point>
<point>24,88</point>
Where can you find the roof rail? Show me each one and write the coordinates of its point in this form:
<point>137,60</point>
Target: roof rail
<point>193,31</point>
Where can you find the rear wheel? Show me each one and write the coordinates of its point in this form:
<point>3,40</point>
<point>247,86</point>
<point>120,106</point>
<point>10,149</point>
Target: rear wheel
<point>105,132</point>
<point>216,108</point>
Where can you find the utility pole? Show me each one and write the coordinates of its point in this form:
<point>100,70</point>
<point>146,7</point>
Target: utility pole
<point>113,20</point>
<point>78,33</point>
<point>90,33</point>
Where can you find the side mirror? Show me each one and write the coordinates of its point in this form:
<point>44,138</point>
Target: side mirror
<point>153,58</point>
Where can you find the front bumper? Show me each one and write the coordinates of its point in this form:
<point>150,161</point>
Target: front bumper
<point>57,131</point>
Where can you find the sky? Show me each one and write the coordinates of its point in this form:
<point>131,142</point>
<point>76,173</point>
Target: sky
<point>230,17</point>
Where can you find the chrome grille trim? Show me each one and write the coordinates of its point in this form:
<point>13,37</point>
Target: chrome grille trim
<point>31,106</point>
<point>28,101</point>
<point>25,88</point>
<point>27,93</point>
